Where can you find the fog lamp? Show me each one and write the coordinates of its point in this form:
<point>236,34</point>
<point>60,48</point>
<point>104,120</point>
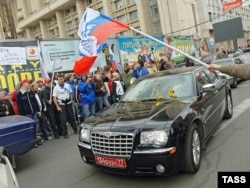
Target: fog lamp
<point>84,159</point>
<point>160,168</point>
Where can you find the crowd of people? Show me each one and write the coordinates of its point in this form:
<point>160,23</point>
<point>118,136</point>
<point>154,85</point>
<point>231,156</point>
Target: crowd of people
<point>69,99</point>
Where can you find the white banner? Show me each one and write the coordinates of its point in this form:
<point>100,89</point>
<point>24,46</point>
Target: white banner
<point>12,56</point>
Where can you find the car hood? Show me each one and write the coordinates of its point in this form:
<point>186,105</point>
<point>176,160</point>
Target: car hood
<point>137,115</point>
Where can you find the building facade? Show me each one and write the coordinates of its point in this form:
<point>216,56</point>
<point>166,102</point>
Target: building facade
<point>60,18</point>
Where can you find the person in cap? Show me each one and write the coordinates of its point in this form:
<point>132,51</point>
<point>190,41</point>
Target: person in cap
<point>50,107</point>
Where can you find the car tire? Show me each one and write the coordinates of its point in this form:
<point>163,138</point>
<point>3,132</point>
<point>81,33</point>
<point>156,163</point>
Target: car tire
<point>235,83</point>
<point>192,150</point>
<point>229,107</point>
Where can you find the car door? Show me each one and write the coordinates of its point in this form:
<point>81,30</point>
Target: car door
<point>212,106</point>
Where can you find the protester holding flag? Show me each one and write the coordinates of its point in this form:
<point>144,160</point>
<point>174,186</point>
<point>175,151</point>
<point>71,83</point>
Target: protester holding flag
<point>50,107</point>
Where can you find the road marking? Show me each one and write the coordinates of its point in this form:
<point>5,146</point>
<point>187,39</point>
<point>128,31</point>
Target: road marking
<point>238,110</point>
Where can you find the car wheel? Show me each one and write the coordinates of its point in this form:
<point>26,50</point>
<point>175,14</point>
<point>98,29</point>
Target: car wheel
<point>192,150</point>
<point>229,107</point>
<point>235,83</point>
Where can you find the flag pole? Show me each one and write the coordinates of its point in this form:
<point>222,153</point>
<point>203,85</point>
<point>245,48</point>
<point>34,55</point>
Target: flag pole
<point>169,46</point>
<point>15,74</point>
<point>51,85</point>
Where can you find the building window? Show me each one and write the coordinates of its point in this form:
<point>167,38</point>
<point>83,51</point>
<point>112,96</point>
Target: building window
<point>131,2</point>
<point>124,33</point>
<point>118,4</point>
<point>56,30</point>
<point>157,28</point>
<point>154,10</point>
<point>133,15</point>
<point>69,25</point>
<point>136,33</point>
<point>50,21</point>
<point>67,12</point>
<point>52,33</point>
<point>90,2</point>
<point>74,9</point>
<point>76,22</point>
<point>100,10</point>
<point>121,18</point>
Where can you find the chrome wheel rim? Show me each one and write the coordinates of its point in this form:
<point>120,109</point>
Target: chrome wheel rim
<point>229,104</point>
<point>196,147</point>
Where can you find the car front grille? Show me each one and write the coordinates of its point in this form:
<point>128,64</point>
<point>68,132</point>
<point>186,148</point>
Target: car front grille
<point>112,144</point>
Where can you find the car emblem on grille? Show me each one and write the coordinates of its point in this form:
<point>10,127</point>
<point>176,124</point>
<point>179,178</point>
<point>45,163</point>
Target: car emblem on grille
<point>108,134</point>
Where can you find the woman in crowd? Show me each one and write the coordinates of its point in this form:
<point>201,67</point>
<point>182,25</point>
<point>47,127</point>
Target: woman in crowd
<point>100,93</point>
<point>6,108</point>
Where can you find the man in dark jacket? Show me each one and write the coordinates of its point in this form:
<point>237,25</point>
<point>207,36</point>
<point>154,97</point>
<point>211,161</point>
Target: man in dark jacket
<point>50,108</point>
<point>26,101</point>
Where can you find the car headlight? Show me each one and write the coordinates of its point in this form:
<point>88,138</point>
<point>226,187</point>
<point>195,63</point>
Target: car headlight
<point>159,138</point>
<point>85,135</point>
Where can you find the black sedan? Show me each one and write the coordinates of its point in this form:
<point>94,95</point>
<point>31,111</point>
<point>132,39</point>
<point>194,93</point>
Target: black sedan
<point>160,126</point>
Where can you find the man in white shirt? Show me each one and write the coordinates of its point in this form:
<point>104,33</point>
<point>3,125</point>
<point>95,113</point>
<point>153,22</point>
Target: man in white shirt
<point>62,97</point>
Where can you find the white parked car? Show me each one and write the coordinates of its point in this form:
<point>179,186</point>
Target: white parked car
<point>8,177</point>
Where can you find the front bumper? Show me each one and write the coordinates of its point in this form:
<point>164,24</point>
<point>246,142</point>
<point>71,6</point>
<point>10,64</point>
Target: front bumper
<point>141,162</point>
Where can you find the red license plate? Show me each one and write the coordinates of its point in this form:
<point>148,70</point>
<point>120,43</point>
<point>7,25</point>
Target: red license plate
<point>110,162</point>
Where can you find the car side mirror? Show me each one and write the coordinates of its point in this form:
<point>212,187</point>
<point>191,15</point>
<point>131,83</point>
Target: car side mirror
<point>208,88</point>
<point>223,77</point>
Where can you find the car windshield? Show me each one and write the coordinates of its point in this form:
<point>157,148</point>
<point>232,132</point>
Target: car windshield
<point>165,87</point>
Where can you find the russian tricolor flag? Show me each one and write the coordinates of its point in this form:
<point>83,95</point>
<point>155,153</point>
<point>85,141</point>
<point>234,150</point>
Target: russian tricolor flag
<point>94,23</point>
<point>94,29</point>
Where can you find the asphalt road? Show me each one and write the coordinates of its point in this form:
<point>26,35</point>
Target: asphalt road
<point>57,163</point>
